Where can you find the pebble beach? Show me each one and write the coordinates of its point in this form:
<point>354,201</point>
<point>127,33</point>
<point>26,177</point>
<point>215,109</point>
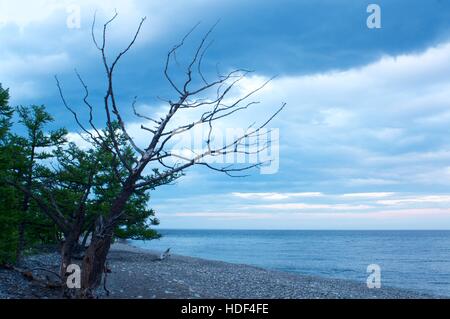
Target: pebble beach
<point>139,274</point>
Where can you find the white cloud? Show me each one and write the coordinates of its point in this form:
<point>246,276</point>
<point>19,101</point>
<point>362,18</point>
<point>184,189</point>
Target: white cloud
<point>335,117</point>
<point>348,210</point>
<point>304,206</point>
<point>367,195</point>
<point>23,12</point>
<point>374,119</point>
<point>360,182</point>
<point>225,215</point>
<point>275,196</point>
<point>19,72</point>
<point>373,129</point>
<point>362,132</point>
<point>417,199</point>
<point>31,64</point>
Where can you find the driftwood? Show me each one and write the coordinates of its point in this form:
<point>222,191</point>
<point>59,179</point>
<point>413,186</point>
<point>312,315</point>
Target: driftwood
<point>165,254</point>
<point>28,275</point>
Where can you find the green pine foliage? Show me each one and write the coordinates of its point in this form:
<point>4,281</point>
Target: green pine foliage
<point>9,212</point>
<point>42,174</point>
<point>40,170</point>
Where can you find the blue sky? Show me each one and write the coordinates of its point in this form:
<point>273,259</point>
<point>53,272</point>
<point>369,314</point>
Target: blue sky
<point>364,139</point>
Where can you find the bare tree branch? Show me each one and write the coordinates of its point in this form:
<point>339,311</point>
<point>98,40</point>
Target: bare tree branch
<point>192,94</point>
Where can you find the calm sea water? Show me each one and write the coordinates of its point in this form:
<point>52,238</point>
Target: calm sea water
<point>416,260</point>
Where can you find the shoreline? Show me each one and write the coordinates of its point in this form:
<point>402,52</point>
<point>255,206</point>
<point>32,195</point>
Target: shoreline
<point>203,278</point>
<point>137,273</point>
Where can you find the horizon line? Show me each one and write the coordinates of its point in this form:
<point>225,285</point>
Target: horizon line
<point>305,229</point>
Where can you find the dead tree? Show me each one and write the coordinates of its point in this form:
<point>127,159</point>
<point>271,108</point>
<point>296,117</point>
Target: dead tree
<point>157,153</point>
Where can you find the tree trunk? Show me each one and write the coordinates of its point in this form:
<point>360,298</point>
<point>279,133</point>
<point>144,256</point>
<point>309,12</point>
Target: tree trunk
<point>94,264</point>
<point>21,227</point>
<point>25,205</point>
<point>67,250</point>
<point>20,242</point>
<point>70,244</point>
<point>94,260</point>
